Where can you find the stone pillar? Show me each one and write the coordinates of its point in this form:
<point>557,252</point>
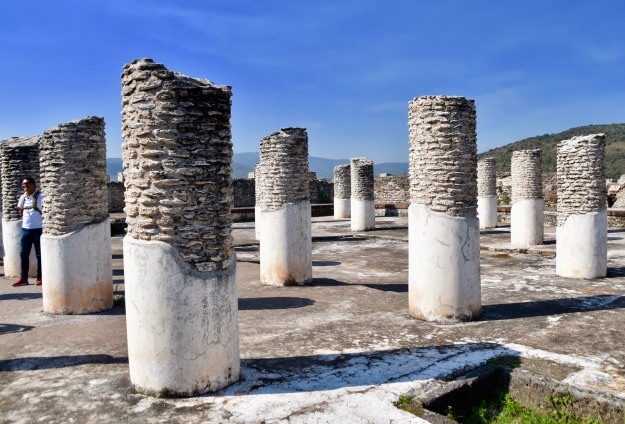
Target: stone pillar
<point>179,261</point>
<point>285,234</point>
<point>443,228</point>
<point>526,216</point>
<point>20,158</point>
<point>258,171</point>
<point>487,193</point>
<point>582,232</point>
<point>76,240</point>
<point>342,191</point>
<point>363,195</point>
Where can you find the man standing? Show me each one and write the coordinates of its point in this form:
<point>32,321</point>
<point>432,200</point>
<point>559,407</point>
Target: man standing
<point>30,210</point>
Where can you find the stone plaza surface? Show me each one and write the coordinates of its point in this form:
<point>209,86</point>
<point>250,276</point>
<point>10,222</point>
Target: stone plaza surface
<point>342,349</point>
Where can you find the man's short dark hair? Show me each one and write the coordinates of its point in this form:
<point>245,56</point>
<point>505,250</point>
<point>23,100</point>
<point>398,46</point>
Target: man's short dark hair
<point>30,180</point>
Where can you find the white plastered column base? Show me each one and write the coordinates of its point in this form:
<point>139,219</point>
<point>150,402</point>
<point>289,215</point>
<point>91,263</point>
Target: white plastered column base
<point>257,219</point>
<point>286,246</point>
<point>183,331</point>
<point>77,270</point>
<point>342,208</point>
<point>582,246</point>
<point>487,211</point>
<point>527,222</point>
<point>11,234</point>
<point>444,266</point>
<point>363,214</point>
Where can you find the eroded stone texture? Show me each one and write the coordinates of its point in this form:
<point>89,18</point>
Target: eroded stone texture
<point>73,175</point>
<point>19,157</point>
<point>342,181</point>
<point>487,177</point>
<point>177,153</point>
<point>526,171</point>
<point>362,179</point>
<point>581,176</point>
<point>258,174</point>
<point>443,154</point>
<point>284,159</point>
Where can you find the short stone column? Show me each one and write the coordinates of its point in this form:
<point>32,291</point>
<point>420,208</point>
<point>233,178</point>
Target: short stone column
<point>363,195</point>
<point>179,261</point>
<point>582,232</point>
<point>487,193</point>
<point>258,174</point>
<point>443,228</point>
<point>285,233</point>
<point>76,241</point>
<point>342,191</point>
<point>526,216</point>
<point>19,157</point>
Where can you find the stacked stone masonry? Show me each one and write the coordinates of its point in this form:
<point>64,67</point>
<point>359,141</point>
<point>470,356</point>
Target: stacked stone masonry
<point>581,176</point>
<point>392,189</point>
<point>284,158</point>
<point>342,181</point>
<point>443,154</point>
<point>177,154</point>
<point>20,158</point>
<point>362,179</point>
<point>73,175</point>
<point>258,175</point>
<point>526,175</point>
<point>487,177</point>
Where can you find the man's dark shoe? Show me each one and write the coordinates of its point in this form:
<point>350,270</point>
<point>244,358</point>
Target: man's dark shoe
<point>20,282</point>
<point>38,282</point>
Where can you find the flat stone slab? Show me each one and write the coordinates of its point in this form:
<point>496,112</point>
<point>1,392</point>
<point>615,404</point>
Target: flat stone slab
<point>342,349</point>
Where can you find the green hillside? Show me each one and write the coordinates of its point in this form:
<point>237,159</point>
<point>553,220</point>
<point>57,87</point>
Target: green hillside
<point>615,148</point>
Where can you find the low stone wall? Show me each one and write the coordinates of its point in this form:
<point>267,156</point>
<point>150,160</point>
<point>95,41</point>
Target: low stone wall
<point>391,189</point>
<point>244,195</point>
<point>116,196</point>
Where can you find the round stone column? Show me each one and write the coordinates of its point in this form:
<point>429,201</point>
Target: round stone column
<point>76,240</point>
<point>285,229</point>
<point>582,232</point>
<point>444,233</point>
<point>179,261</point>
<point>342,191</point>
<point>258,174</point>
<point>526,216</point>
<point>363,195</point>
<point>487,193</point>
<point>19,157</point>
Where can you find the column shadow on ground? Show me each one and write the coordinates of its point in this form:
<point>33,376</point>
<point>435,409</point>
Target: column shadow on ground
<point>20,296</point>
<point>14,328</point>
<point>330,282</point>
<point>30,363</point>
<point>263,303</point>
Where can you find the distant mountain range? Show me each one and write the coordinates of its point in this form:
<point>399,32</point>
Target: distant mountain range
<point>244,163</point>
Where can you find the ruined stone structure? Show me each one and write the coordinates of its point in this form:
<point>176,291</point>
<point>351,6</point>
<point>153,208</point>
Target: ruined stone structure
<point>179,261</point>
<point>363,196</point>
<point>527,215</point>
<point>258,175</point>
<point>392,189</point>
<point>581,235</point>
<point>116,196</point>
<point>285,226</point>
<point>443,229</point>
<point>76,240</point>
<point>487,192</point>
<point>342,191</point>
<point>19,157</point>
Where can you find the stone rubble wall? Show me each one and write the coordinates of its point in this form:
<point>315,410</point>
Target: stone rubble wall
<point>362,179</point>
<point>177,153</point>
<point>258,174</point>
<point>19,158</point>
<point>443,154</point>
<point>115,196</point>
<point>392,189</point>
<point>72,160</point>
<point>487,177</point>
<point>244,192</point>
<point>581,176</point>
<point>526,171</point>
<point>342,181</point>
<point>284,158</point>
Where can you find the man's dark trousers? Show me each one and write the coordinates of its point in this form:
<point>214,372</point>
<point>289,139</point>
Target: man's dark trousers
<point>29,238</point>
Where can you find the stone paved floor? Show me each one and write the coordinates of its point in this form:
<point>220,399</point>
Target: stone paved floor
<point>340,350</point>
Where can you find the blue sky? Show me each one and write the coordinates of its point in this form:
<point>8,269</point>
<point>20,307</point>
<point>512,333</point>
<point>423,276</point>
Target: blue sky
<point>345,70</point>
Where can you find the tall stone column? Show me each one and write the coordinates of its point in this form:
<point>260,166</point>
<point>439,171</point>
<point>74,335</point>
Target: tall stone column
<point>487,193</point>
<point>342,191</point>
<point>258,174</point>
<point>526,216</point>
<point>582,232</point>
<point>19,157</point>
<point>363,194</point>
<point>179,261</point>
<point>285,233</point>
<point>444,231</point>
<point>76,241</point>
